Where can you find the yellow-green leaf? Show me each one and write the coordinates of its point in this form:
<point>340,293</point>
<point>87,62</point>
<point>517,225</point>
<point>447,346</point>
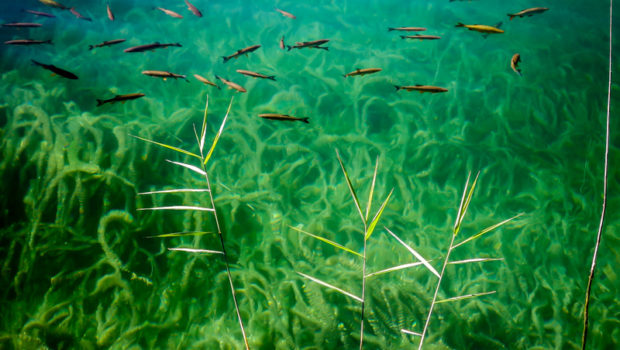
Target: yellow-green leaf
<point>168,146</point>
<point>374,221</point>
<point>219,133</point>
<point>332,243</point>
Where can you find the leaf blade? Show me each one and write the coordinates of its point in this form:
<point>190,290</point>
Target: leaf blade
<point>416,254</point>
<point>179,207</point>
<point>466,296</point>
<point>193,250</point>
<point>486,230</point>
<point>325,284</point>
<point>351,189</point>
<point>188,166</point>
<point>219,133</point>
<point>325,240</point>
<point>168,146</point>
<point>375,220</point>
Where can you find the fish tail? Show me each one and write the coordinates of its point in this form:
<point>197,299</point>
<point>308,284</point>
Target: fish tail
<point>37,63</point>
<point>519,72</point>
<point>390,29</point>
<point>459,24</point>
<point>511,16</point>
<point>289,47</point>
<point>272,77</point>
<point>397,87</point>
<point>305,120</point>
<point>99,102</point>
<point>48,42</point>
<point>225,59</point>
<point>402,37</point>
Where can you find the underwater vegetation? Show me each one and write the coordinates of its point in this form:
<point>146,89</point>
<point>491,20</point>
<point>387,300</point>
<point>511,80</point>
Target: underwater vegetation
<point>85,266</point>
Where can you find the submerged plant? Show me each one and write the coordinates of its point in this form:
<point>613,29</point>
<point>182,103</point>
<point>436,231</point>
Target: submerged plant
<point>369,227</point>
<point>201,169</point>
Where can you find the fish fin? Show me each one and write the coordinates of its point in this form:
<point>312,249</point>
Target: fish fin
<point>99,102</point>
<point>499,24</point>
<point>90,47</point>
<point>225,59</point>
<point>485,35</point>
<point>459,24</point>
<point>511,16</point>
<point>165,79</point>
<point>289,47</point>
<point>305,120</point>
<point>519,72</point>
<point>420,91</point>
<point>123,102</point>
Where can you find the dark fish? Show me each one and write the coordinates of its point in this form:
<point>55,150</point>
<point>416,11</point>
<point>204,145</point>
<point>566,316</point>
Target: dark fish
<point>316,44</point>
<point>528,12</point>
<point>407,29</point>
<point>22,25</point>
<point>110,14</point>
<point>256,75</point>
<point>286,14</point>
<point>149,47</point>
<point>421,88</point>
<point>163,74</point>
<point>169,12</point>
<point>52,3</point>
<point>282,42</point>
<point>283,117</point>
<point>362,72</point>
<point>79,15</point>
<point>204,80</point>
<point>193,8</point>
<point>514,63</point>
<point>120,98</point>
<point>421,37</point>
<point>63,73</point>
<point>240,52</point>
<point>27,42</point>
<point>232,85</point>
<point>41,14</point>
<point>106,43</point>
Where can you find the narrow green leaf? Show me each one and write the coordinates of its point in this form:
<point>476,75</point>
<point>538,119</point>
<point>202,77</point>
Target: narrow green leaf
<point>203,131</point>
<point>332,243</point>
<point>461,297</point>
<point>351,189</point>
<point>179,207</point>
<point>375,220</point>
<point>192,250</point>
<point>180,190</point>
<point>188,166</point>
<point>395,268</point>
<point>169,147</point>
<point>486,230</point>
<point>465,205</point>
<point>179,234</point>
<point>331,287</point>
<point>219,133</point>
<point>411,332</point>
<point>372,189</point>
<point>416,254</point>
<point>473,260</point>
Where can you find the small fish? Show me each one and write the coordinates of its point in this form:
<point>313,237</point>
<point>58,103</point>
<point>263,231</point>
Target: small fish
<point>421,37</point>
<point>150,47</point>
<point>120,98</point>
<point>282,42</point>
<point>27,42</point>
<point>286,14</point>
<point>407,29</point>
<point>22,25</point>
<point>283,117</point>
<point>52,3</point>
<point>163,74</point>
<point>528,12</point>
<point>202,79</point>
<point>482,28</point>
<point>110,14</point>
<point>240,52</point>
<point>106,43</point>
<point>232,85</point>
<point>40,14</point>
<point>316,44</point>
<point>514,63</point>
<point>63,73</point>
<point>421,88</point>
<point>255,75</point>
<point>79,15</point>
<point>193,8</point>
<point>362,72</point>
<point>169,12</point>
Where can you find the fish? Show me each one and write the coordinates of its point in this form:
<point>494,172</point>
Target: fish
<point>120,98</point>
<point>63,73</point>
<point>41,14</point>
<point>286,14</point>
<point>27,42</point>
<point>362,72</point>
<point>150,47</point>
<point>421,88</point>
<point>407,29</point>
<point>283,117</point>
<point>22,25</point>
<point>282,42</point>
<point>255,75</point>
<point>202,79</point>
<point>421,37</point>
<point>163,74</point>
<point>240,52</point>
<point>52,3</point>
<point>528,12</point>
<point>106,43</point>
<point>482,28</point>
<point>193,8</point>
<point>79,15</point>
<point>316,44</point>
<point>110,14</point>
<point>169,12</point>
<point>232,85</point>
<point>514,63</point>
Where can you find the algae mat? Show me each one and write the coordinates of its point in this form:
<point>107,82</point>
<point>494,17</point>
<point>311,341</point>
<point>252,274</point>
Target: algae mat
<point>80,271</point>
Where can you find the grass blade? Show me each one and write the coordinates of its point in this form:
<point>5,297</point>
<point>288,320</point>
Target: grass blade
<point>331,287</point>
<point>416,254</point>
<point>351,189</point>
<point>411,332</point>
<point>188,166</point>
<point>488,229</point>
<point>461,297</point>
<point>180,190</point>
<point>168,147</point>
<point>374,221</point>
<point>203,131</point>
<point>179,234</point>
<point>474,260</point>
<point>395,268</point>
<point>219,133</point>
<point>179,207</point>
<point>372,189</point>
<point>192,250</point>
<point>332,243</point>
<point>465,203</point>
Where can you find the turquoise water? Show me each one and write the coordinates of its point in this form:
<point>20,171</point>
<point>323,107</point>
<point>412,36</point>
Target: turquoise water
<point>78,268</point>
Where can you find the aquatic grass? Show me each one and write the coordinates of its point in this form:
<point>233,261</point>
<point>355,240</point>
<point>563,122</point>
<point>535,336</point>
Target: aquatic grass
<point>201,170</point>
<point>369,225</point>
